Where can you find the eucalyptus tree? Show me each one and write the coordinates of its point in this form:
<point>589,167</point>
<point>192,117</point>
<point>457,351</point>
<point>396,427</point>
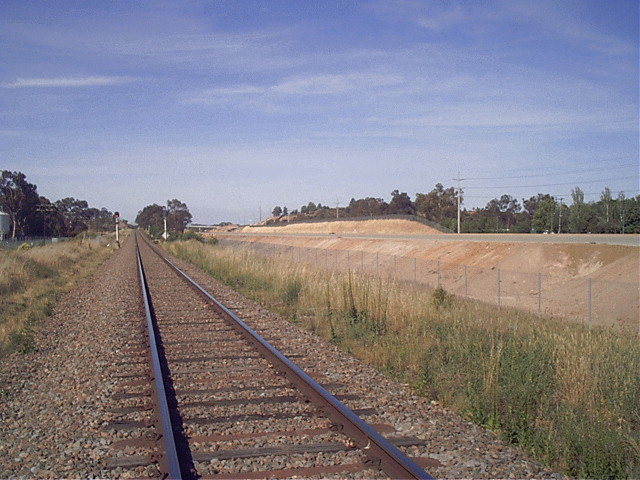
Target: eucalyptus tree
<point>20,200</point>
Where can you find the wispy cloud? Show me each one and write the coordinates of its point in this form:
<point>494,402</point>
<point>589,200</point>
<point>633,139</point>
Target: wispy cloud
<point>67,82</point>
<point>334,84</point>
<point>301,85</point>
<point>570,24</point>
<point>436,16</point>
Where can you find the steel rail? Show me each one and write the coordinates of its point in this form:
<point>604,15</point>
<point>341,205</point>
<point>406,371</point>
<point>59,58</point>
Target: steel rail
<point>169,462</point>
<point>379,451</point>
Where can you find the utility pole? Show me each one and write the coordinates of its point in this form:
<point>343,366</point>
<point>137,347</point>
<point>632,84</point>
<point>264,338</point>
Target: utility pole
<point>459,195</point>
<point>337,208</point>
<point>560,217</point>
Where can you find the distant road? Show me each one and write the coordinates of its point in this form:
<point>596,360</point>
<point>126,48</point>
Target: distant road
<point>625,240</point>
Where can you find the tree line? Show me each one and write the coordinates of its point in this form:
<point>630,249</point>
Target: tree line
<point>32,214</point>
<point>541,213</point>
<point>152,218</point>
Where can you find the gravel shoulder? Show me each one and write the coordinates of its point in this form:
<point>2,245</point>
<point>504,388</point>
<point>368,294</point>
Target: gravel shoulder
<point>54,402</point>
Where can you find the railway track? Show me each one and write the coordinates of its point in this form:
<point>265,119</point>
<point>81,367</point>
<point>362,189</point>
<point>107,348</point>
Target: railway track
<point>203,395</point>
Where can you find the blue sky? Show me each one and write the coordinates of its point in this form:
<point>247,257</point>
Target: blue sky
<point>234,107</point>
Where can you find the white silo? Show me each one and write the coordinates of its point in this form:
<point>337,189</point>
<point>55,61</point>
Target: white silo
<point>5,224</point>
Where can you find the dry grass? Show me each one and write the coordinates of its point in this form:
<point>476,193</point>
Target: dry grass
<point>565,393</point>
<point>31,280</point>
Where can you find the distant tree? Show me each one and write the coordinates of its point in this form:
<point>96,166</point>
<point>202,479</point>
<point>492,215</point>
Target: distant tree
<point>151,216</point>
<point>76,214</point>
<point>631,215</point>
<point>178,215</point>
<point>532,204</point>
<point>366,207</point>
<point>545,217</point>
<point>101,220</point>
<point>51,218</point>
<point>492,212</point>
<point>400,204</point>
<point>605,212</point>
<point>438,204</point>
<point>19,199</point>
<point>277,211</point>
<point>627,213</point>
<point>285,210</point>
<point>578,221</point>
<point>476,221</point>
<point>504,210</point>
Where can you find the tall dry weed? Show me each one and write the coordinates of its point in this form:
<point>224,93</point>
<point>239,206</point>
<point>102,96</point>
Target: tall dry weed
<point>32,278</point>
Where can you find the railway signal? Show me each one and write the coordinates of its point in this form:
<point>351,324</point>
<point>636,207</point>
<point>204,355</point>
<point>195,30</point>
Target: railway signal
<point>117,217</point>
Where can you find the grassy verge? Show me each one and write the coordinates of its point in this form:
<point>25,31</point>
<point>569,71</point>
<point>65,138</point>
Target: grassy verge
<point>32,279</point>
<point>565,393</point>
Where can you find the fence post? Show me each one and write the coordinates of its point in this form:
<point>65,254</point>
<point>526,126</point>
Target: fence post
<point>589,311</point>
<point>539,293</point>
<point>498,287</point>
<point>414,270</point>
<point>466,285</point>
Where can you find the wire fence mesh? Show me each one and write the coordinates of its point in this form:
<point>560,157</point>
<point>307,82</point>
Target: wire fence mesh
<point>584,299</point>
<point>10,243</point>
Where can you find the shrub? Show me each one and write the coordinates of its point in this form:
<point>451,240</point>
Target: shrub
<point>440,297</point>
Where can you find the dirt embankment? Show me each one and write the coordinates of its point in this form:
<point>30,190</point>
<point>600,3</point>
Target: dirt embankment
<point>373,227</point>
<point>566,267</point>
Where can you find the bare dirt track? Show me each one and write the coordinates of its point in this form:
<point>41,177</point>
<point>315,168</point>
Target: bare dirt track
<point>566,267</point>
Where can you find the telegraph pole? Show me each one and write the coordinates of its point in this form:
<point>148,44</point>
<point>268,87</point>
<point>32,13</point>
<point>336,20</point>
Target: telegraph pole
<point>459,195</point>
<point>560,217</point>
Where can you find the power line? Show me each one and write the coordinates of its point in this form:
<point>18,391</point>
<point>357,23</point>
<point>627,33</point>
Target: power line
<point>549,184</point>
<point>571,172</point>
<point>518,173</point>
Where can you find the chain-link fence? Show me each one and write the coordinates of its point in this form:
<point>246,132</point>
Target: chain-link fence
<point>10,243</point>
<point>585,299</point>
